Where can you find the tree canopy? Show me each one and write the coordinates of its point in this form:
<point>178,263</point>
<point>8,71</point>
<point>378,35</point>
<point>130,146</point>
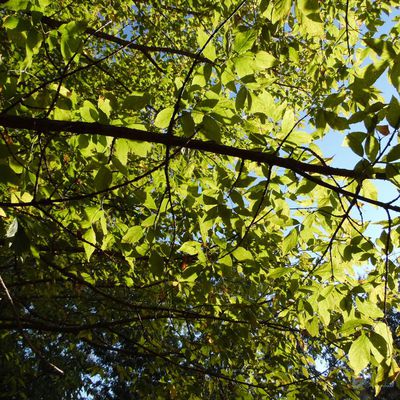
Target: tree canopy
<point>170,227</point>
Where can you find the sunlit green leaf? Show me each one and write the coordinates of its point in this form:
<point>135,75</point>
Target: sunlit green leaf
<point>89,243</point>
<point>190,247</point>
<point>372,147</point>
<point>354,140</point>
<point>280,9</point>
<point>359,354</point>
<point>241,254</point>
<point>164,117</point>
<point>244,41</point>
<point>290,241</point>
<point>133,235</point>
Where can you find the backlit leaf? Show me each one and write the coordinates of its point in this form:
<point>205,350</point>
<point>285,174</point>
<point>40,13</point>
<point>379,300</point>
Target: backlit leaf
<point>164,117</point>
<point>133,235</point>
<point>103,178</point>
<point>359,354</point>
<point>241,254</point>
<point>244,41</point>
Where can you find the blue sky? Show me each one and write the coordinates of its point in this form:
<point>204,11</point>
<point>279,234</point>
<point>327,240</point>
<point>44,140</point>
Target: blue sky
<point>332,145</point>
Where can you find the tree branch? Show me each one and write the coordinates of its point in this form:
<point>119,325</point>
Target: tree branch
<point>53,23</point>
<point>47,126</point>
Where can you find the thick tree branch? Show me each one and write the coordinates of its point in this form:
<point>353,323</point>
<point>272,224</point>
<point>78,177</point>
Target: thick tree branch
<point>48,126</point>
<point>114,39</point>
<point>304,169</point>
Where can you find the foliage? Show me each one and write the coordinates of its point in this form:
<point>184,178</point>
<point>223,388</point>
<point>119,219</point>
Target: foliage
<point>170,227</point>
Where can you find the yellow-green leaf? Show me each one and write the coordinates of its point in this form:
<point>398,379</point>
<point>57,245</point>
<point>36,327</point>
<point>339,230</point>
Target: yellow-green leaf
<point>241,254</point>
<point>359,354</point>
<point>133,235</point>
<point>89,236</point>
<point>290,241</point>
<point>164,117</point>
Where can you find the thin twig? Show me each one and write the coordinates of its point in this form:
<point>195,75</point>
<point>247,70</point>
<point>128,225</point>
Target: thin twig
<point>387,252</point>
<point>25,336</point>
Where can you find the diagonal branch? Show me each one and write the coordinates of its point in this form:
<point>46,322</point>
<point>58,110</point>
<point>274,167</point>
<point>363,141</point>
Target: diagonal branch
<point>94,128</point>
<point>47,126</point>
<point>53,23</point>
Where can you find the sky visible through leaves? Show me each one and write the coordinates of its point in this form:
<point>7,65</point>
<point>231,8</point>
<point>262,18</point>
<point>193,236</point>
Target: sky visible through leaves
<point>333,145</point>
<point>178,216</point>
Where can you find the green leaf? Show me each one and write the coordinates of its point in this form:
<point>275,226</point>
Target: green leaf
<point>379,348</point>
<point>336,122</point>
<point>278,272</point>
<point>11,22</point>
<point>288,121</point>
<point>16,5</point>
<point>393,113</point>
<point>133,235</point>
<point>244,64</point>
<point>383,330</point>
<point>394,153</point>
<point>354,140</point>
<point>136,101</point>
<point>33,42</point>
<point>141,149</point>
<point>382,47</point>
<point>280,10</point>
<point>308,7</point>
<point>105,105</point>
<point>359,354</point>
<point>209,50</point>
<point>149,221</point>
<point>189,275</point>
<point>89,236</point>
<point>394,73</point>
<point>309,17</point>
<point>290,241</point>
<point>121,150</point>
<point>264,60</point>
<point>324,312</point>
<point>190,247</point>
<point>211,129</point>
<point>89,112</point>
<point>312,326</point>
<point>16,165</point>
<point>241,254</point>
<point>156,263</point>
<point>164,117</point>
<point>244,41</point>
<point>71,41</point>
<point>351,324</point>
<point>372,73</point>
<point>369,189</point>
<point>227,260</point>
<point>262,103</point>
<point>150,203</point>
<point>12,229</point>
<point>372,147</point>
<point>103,178</point>
<point>369,309</point>
<point>188,124</point>
<point>241,98</point>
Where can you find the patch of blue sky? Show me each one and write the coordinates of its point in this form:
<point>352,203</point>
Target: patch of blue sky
<point>342,156</point>
<point>332,145</point>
